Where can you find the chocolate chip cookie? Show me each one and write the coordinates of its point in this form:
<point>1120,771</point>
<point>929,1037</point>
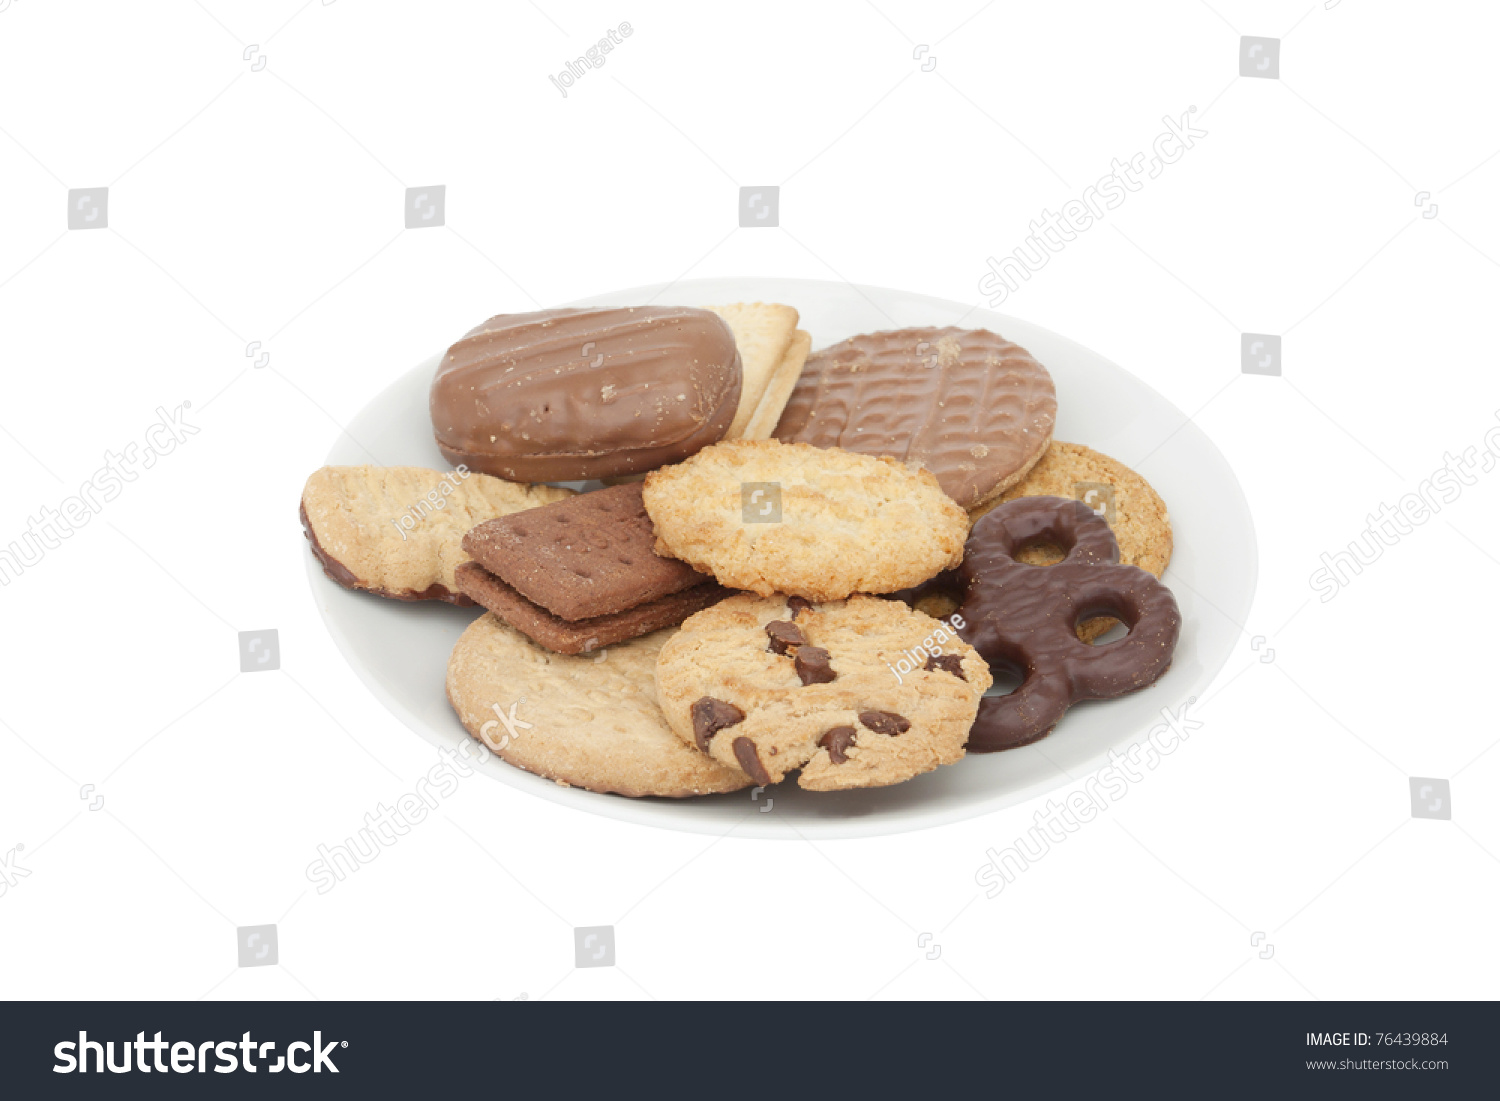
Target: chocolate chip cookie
<point>856,693</point>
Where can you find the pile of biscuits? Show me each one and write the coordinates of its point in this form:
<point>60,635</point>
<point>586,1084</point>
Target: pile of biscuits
<point>796,564</point>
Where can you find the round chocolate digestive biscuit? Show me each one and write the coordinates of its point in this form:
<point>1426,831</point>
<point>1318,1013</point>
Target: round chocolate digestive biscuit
<point>564,395</point>
<point>966,404</point>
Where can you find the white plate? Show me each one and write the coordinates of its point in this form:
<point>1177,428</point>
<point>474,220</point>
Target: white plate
<point>401,650</point>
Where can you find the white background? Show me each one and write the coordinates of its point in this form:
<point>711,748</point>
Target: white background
<point>267,206</point>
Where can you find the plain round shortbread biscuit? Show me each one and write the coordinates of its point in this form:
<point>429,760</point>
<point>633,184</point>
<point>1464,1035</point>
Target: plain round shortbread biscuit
<point>725,654</point>
<point>591,722</point>
<point>847,523</point>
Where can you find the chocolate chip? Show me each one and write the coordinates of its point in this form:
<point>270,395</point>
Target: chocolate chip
<point>711,716</point>
<point>885,722</point>
<point>797,605</point>
<point>813,665</point>
<point>784,635</point>
<point>744,753</point>
<point>948,663</point>
<point>836,741</point>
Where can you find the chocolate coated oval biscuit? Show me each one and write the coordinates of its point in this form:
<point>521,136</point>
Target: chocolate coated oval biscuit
<point>563,395</point>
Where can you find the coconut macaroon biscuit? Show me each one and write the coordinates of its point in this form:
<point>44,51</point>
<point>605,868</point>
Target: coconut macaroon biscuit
<point>591,722</point>
<point>820,523</point>
<point>397,531</point>
<point>769,685</point>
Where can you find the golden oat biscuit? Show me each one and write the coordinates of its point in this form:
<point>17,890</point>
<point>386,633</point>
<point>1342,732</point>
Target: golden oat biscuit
<point>857,693</point>
<point>397,531</point>
<point>591,722</point>
<point>819,523</point>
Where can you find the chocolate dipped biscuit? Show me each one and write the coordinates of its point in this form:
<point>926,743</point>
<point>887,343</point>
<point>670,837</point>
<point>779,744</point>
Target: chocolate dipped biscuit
<point>1024,618</point>
<point>564,395</point>
<point>966,404</point>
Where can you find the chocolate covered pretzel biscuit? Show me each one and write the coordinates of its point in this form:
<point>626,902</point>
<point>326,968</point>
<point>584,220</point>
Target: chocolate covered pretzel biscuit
<point>1024,618</point>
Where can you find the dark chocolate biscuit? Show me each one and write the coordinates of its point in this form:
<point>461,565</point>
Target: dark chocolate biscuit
<point>1024,618</point>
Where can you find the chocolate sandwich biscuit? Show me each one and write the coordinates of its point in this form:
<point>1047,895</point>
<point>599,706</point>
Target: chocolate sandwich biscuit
<point>588,556</point>
<point>966,404</point>
<point>563,395</point>
<point>581,636</point>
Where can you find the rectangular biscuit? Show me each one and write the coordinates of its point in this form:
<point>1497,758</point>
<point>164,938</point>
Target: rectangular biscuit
<point>588,556</point>
<point>762,331</point>
<point>763,421</point>
<point>585,635</point>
